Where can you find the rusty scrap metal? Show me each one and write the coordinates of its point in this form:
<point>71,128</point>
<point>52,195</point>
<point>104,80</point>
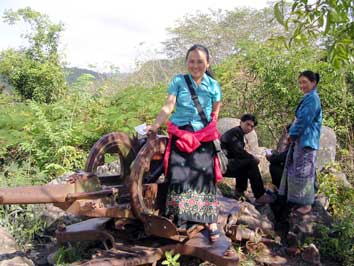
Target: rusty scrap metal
<point>126,207</point>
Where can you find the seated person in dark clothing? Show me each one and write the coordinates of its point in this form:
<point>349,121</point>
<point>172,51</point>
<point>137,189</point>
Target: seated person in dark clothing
<point>243,165</point>
<point>276,166</point>
<point>277,159</point>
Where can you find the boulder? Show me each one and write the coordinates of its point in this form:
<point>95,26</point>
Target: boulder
<point>10,253</point>
<point>311,254</point>
<point>302,227</point>
<point>328,144</point>
<point>253,218</point>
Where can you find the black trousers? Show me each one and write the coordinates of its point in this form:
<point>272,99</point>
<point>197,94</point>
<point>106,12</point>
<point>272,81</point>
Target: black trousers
<point>276,172</point>
<point>243,170</point>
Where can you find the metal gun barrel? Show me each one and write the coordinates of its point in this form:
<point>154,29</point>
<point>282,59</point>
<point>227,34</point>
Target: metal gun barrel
<point>36,194</point>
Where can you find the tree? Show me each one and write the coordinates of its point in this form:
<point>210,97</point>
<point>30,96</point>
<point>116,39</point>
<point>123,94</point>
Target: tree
<point>35,72</point>
<point>221,31</point>
<point>331,21</point>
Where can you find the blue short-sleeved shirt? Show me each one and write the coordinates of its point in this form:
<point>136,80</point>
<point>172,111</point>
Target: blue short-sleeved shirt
<point>208,92</point>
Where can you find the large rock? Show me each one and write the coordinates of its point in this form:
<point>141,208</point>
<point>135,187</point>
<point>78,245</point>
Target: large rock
<point>301,227</point>
<point>253,218</point>
<point>328,144</point>
<point>9,251</point>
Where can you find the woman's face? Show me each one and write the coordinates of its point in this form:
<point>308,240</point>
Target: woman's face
<point>197,63</point>
<point>306,85</point>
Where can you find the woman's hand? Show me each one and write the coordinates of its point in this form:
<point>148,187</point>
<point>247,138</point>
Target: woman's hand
<point>289,139</point>
<point>257,160</point>
<point>151,129</point>
<point>164,113</point>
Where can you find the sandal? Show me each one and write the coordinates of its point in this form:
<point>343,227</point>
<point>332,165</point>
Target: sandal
<point>298,212</point>
<point>230,252</point>
<point>266,198</point>
<point>214,235</point>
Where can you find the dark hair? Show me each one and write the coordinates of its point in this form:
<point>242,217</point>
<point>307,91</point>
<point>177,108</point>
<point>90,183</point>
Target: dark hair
<point>249,117</point>
<point>202,48</point>
<point>312,76</point>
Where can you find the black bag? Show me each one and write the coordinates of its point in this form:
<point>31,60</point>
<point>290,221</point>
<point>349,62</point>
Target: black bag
<point>219,152</point>
<point>221,155</point>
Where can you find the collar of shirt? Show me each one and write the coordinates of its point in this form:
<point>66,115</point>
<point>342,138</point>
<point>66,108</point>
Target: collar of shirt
<point>240,131</point>
<point>311,91</point>
<point>205,81</point>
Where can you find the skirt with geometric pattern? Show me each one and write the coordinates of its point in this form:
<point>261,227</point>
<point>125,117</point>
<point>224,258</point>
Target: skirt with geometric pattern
<point>192,190</point>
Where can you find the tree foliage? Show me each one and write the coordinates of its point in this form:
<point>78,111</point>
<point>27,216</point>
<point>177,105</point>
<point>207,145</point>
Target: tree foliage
<point>221,31</point>
<point>35,72</point>
<point>329,21</point>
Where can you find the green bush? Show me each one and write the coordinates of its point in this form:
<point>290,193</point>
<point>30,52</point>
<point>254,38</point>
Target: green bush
<point>338,240</point>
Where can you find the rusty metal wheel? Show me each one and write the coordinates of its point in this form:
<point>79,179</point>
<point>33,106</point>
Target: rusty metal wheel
<point>152,151</point>
<point>116,144</point>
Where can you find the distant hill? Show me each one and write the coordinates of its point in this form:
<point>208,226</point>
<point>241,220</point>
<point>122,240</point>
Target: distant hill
<point>72,73</point>
<point>149,74</point>
<point>155,72</point>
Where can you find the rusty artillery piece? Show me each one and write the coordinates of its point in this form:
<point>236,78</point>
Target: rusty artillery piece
<point>126,210</point>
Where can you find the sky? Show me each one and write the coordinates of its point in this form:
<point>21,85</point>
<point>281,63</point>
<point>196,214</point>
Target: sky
<point>102,33</point>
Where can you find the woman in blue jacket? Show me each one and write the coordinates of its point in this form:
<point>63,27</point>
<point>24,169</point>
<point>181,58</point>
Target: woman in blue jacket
<point>298,181</point>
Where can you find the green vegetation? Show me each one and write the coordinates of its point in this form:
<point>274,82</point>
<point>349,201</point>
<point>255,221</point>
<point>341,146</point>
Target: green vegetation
<point>328,22</point>
<point>171,259</point>
<point>67,255</point>
<point>338,241</point>
<point>48,127</point>
<point>34,72</point>
<point>21,221</point>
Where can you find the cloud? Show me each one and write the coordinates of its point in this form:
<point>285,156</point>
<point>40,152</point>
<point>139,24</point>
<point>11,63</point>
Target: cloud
<point>111,31</point>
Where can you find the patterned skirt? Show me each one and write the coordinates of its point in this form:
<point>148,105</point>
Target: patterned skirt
<point>192,190</point>
<point>298,180</point>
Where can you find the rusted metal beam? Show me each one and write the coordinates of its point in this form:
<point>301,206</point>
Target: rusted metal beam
<point>89,230</point>
<point>36,194</point>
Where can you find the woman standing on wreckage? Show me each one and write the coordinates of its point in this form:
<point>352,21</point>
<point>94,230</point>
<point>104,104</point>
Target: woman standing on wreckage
<point>191,165</point>
<point>298,181</point>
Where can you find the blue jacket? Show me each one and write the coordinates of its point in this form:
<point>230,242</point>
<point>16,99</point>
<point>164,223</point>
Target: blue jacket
<point>308,121</point>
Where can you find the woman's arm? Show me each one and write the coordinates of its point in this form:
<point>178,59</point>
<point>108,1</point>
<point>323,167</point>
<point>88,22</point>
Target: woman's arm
<point>164,113</point>
<point>216,108</point>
